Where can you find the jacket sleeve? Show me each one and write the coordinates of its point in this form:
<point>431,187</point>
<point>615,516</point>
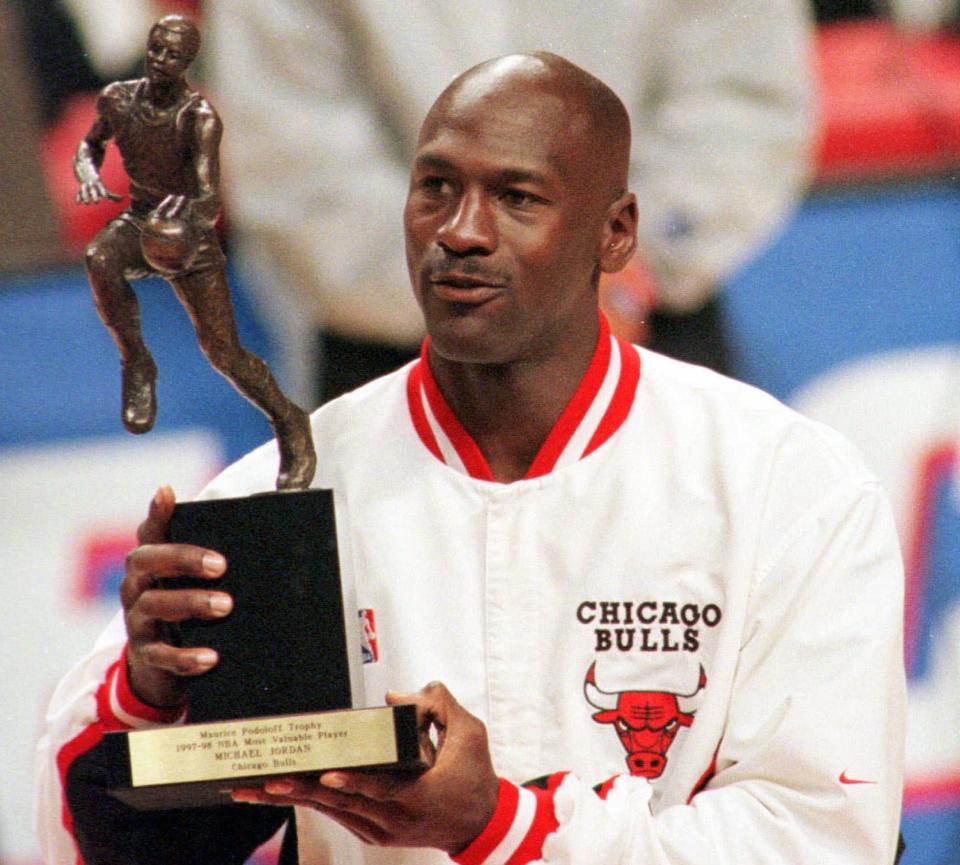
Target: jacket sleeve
<point>809,768</point>
<point>723,138</point>
<point>78,821</point>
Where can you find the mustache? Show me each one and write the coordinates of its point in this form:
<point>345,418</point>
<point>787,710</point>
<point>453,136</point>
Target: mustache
<point>467,266</point>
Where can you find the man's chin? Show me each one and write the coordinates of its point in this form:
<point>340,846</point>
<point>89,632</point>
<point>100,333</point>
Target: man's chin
<point>466,340</point>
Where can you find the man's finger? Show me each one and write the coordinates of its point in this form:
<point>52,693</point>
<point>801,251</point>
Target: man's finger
<point>180,662</point>
<point>150,562</point>
<point>434,703</point>
<point>354,811</point>
<point>171,560</point>
<point>377,786</point>
<point>178,605</point>
<point>153,529</point>
<point>336,797</point>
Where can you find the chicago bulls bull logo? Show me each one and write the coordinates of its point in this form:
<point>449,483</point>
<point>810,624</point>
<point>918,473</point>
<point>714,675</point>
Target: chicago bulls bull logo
<point>645,721</point>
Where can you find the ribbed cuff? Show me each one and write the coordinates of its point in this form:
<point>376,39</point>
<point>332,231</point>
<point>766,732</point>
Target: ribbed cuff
<point>515,834</point>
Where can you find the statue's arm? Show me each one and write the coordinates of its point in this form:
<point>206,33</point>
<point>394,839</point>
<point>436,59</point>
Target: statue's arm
<point>208,130</point>
<point>91,150</point>
<point>203,209</point>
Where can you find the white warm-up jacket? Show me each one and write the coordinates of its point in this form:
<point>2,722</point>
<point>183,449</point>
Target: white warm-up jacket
<point>687,619</point>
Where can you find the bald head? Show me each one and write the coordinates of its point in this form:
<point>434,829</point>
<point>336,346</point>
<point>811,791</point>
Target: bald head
<point>582,110</point>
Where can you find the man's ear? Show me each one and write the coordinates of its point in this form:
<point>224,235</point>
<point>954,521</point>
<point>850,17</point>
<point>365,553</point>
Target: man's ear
<point>619,235</point>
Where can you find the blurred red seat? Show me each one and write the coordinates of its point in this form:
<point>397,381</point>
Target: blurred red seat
<point>890,101</point>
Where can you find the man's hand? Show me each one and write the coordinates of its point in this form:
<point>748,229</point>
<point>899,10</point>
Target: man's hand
<point>86,161</point>
<point>94,191</point>
<point>156,668</point>
<point>446,807</point>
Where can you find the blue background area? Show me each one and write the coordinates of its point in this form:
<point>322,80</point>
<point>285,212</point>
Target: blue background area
<point>852,274</point>
<point>932,838</point>
<point>60,371</point>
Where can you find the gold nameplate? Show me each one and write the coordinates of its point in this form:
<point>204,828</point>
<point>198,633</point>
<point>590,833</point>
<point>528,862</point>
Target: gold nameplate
<point>283,744</point>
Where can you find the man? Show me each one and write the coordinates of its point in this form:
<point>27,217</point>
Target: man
<point>169,138</point>
<point>622,566</point>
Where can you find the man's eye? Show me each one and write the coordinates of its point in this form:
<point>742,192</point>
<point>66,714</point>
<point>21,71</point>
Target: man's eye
<point>434,185</point>
<point>518,198</point>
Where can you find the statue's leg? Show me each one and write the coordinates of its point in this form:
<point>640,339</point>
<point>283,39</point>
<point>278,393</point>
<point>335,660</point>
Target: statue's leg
<point>206,296</point>
<point>114,251</point>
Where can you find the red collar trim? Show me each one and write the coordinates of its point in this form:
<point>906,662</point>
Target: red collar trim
<point>622,399</point>
<point>417,413</point>
<point>466,448</point>
<point>445,437</point>
<point>575,410</point>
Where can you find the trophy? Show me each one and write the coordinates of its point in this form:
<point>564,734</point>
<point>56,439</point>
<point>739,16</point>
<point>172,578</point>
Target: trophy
<point>281,699</point>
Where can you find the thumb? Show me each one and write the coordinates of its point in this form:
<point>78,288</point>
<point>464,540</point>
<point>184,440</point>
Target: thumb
<point>153,529</point>
<point>434,702</point>
<point>436,707</point>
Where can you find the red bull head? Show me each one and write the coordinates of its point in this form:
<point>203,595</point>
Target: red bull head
<point>645,721</point>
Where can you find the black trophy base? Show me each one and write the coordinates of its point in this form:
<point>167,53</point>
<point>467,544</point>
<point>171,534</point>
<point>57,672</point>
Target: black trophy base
<point>283,648</point>
<point>197,765</point>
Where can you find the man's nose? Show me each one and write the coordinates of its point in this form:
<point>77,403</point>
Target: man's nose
<point>471,226</point>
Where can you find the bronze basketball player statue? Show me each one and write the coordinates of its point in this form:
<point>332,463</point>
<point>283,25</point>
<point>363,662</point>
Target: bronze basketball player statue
<point>169,138</point>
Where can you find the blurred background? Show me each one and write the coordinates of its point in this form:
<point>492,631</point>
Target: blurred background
<point>844,302</point>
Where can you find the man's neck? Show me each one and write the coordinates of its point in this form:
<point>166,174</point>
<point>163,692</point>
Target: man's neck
<point>510,409</point>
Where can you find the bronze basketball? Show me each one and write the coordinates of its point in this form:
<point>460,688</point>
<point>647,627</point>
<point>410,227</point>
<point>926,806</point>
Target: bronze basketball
<point>169,245</point>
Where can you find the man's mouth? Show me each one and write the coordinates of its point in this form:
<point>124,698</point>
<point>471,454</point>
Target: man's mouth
<point>459,287</point>
<point>464,287</point>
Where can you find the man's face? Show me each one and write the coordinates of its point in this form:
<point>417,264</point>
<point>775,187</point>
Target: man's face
<point>168,55</point>
<point>502,228</point>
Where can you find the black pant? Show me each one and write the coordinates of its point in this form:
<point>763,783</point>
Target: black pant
<point>698,337</point>
<point>346,363</point>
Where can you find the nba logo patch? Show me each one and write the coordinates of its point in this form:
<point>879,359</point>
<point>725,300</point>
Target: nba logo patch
<point>368,637</point>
